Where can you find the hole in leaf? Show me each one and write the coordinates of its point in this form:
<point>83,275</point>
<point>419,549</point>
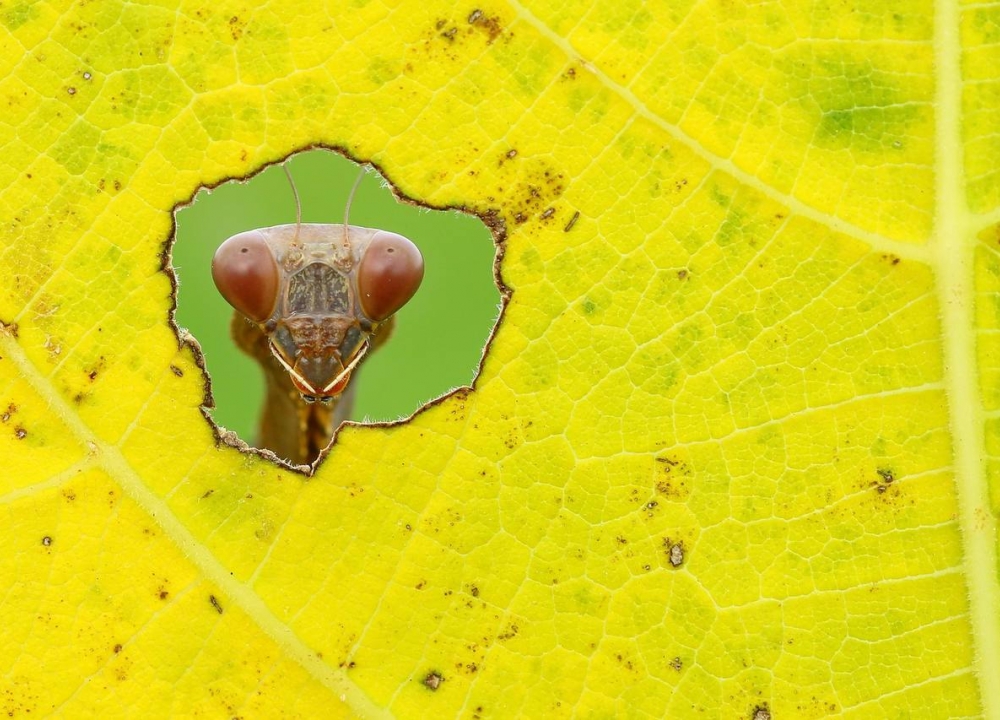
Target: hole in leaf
<point>439,335</point>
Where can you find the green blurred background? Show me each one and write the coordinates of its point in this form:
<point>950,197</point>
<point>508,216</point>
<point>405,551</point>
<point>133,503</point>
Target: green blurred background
<point>439,335</point>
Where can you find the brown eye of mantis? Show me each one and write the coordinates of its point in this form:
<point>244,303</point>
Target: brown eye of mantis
<point>389,274</point>
<point>246,275</point>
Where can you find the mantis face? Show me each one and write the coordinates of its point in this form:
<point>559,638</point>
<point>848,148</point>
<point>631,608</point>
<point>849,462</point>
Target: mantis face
<point>318,292</point>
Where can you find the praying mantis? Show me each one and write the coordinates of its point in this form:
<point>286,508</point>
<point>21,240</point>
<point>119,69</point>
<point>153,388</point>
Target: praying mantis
<point>312,301</point>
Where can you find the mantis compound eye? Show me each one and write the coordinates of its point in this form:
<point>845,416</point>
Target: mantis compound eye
<point>389,274</point>
<point>246,274</point>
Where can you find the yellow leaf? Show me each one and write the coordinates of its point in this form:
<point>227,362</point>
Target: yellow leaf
<point>733,450</point>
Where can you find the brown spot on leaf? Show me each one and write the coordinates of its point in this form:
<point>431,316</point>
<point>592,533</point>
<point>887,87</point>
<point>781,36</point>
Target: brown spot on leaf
<point>490,25</point>
<point>626,662</point>
<point>674,551</point>
<point>886,479</point>
<point>886,474</point>
<point>8,329</point>
<point>176,371</point>
<point>509,634</point>
<point>236,27</point>
<point>433,680</point>
<point>11,409</point>
<point>47,541</point>
<point>215,603</point>
<point>761,712</point>
<point>672,482</point>
<point>676,555</point>
<point>20,433</point>
<point>572,221</point>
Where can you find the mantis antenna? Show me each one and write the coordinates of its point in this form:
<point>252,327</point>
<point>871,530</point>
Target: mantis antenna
<point>347,210</point>
<point>298,205</point>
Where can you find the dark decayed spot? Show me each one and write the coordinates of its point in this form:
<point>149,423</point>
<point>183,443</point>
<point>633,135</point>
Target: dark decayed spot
<point>676,554</point>
<point>8,329</point>
<point>490,25</point>
<point>887,478</point>
<point>433,680</point>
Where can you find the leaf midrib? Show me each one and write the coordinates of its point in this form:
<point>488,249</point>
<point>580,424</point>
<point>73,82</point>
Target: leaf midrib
<point>953,245</point>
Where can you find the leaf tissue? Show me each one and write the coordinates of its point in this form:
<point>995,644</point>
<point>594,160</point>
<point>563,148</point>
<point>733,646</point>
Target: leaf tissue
<point>733,448</point>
